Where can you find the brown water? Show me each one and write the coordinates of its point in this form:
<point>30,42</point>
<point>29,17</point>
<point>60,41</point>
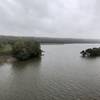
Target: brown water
<point>61,74</point>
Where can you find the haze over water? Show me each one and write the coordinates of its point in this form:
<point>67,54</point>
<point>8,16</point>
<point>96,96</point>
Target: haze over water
<point>61,74</point>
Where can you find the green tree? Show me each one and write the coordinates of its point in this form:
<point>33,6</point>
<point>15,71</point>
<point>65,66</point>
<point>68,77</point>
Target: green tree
<point>23,49</point>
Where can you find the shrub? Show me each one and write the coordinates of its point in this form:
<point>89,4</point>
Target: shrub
<point>23,49</point>
<point>91,52</point>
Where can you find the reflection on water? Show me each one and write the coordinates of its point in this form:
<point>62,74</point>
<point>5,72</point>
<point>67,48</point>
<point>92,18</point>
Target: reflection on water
<point>18,78</point>
<point>18,65</point>
<point>61,74</point>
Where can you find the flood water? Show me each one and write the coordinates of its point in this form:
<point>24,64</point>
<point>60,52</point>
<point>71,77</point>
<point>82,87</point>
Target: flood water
<point>61,74</point>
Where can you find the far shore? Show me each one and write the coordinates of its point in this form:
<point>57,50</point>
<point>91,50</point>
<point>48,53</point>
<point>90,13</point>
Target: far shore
<point>50,40</point>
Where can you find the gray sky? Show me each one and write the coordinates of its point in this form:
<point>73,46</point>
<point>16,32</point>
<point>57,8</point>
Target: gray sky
<point>54,18</point>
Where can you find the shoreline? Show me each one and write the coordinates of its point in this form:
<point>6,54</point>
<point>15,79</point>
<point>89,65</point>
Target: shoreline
<point>7,58</point>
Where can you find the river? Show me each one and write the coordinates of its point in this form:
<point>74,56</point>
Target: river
<point>60,74</point>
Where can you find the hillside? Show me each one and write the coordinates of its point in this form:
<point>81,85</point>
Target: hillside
<point>49,40</point>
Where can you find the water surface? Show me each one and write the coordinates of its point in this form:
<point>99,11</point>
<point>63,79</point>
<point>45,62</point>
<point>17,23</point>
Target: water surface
<point>61,74</point>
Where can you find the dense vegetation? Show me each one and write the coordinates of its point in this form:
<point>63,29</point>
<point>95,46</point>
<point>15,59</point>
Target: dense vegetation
<point>91,52</point>
<point>24,50</point>
<point>21,49</point>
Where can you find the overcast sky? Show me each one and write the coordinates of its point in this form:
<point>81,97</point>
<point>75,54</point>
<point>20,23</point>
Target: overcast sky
<point>54,18</point>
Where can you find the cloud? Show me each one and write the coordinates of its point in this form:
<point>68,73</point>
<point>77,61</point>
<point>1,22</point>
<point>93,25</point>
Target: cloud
<point>70,18</point>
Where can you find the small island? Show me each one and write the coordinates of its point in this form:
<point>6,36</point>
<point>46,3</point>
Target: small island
<point>21,49</point>
<point>91,52</point>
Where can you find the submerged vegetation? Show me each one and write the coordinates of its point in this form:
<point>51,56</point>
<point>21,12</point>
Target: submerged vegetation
<point>91,52</point>
<point>21,49</point>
